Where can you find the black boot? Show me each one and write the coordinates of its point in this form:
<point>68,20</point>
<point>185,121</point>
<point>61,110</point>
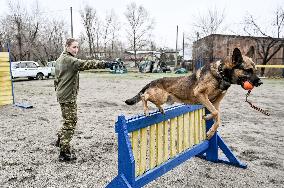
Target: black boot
<point>67,156</point>
<point>56,143</point>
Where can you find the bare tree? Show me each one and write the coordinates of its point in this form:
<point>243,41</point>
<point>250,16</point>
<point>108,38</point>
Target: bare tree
<point>17,19</point>
<point>109,31</point>
<point>51,40</point>
<point>114,34</point>
<point>267,46</point>
<point>89,18</point>
<point>22,30</point>
<point>279,22</point>
<point>98,32</point>
<point>209,24</point>
<point>206,25</point>
<point>32,31</point>
<point>139,25</point>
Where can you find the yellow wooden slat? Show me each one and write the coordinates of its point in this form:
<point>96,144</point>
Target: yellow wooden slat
<point>5,92</point>
<point>173,138</point>
<point>5,78</point>
<point>135,149</point>
<point>4,64</point>
<point>5,86</point>
<point>6,102</point>
<point>191,129</point>
<point>5,97</point>
<point>5,83</point>
<point>153,146</point>
<point>166,140</point>
<point>204,124</point>
<point>180,134</point>
<point>186,131</point>
<point>160,147</point>
<point>3,74</point>
<point>200,125</point>
<point>196,127</point>
<point>143,150</point>
<point>4,55</point>
<point>4,60</point>
<point>4,69</point>
<point>201,135</point>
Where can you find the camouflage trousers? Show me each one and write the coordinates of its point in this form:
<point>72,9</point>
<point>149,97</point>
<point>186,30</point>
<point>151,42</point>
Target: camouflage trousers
<point>69,115</point>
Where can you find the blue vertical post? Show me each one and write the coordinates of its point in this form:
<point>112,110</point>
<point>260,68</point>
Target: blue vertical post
<point>212,152</point>
<point>217,142</point>
<point>126,163</point>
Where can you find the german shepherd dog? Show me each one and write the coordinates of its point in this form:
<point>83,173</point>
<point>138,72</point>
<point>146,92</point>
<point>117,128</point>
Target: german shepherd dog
<point>207,86</point>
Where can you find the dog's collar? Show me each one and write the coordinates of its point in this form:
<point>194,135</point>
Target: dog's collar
<point>224,81</point>
<point>221,71</point>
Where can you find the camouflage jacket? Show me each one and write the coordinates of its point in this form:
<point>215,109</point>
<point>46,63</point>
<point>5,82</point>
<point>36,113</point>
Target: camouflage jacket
<point>66,80</point>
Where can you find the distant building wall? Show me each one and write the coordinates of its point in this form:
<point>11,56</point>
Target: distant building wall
<point>214,47</point>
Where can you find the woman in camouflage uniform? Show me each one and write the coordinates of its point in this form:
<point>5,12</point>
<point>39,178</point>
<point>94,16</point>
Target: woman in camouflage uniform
<point>66,84</point>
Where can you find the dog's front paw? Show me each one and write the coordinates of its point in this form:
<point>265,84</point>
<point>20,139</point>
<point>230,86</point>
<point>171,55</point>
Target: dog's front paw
<point>162,111</point>
<point>209,134</point>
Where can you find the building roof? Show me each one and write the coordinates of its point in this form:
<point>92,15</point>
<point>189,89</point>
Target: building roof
<point>143,52</point>
<point>236,36</point>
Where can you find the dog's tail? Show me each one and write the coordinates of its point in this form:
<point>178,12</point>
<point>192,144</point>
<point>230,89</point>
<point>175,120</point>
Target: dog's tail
<point>137,97</point>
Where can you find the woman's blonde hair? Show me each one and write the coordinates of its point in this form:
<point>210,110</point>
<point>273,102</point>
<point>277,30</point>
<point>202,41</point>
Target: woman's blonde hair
<point>69,41</point>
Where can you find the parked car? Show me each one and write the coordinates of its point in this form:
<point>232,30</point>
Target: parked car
<point>51,65</point>
<point>152,66</point>
<point>30,70</point>
<point>146,66</point>
<point>117,66</point>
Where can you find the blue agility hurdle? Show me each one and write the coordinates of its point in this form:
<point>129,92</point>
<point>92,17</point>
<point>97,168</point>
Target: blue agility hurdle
<point>150,146</point>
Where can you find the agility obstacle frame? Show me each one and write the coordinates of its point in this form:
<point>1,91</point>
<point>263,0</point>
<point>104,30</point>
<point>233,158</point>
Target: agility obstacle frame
<point>150,146</point>
<point>6,84</point>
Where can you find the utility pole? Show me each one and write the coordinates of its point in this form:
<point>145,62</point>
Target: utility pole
<point>283,60</point>
<point>176,48</point>
<point>71,22</point>
<point>183,46</point>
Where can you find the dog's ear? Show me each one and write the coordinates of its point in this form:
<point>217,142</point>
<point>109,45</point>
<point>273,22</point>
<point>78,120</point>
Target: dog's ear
<point>250,53</point>
<point>237,56</point>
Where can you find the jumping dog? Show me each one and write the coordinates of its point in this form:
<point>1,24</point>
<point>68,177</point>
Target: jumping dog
<point>207,86</point>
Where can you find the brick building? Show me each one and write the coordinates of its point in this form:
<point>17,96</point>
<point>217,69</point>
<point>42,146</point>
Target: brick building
<point>216,46</point>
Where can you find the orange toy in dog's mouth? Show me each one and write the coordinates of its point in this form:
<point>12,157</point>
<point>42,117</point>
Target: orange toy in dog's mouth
<point>247,85</point>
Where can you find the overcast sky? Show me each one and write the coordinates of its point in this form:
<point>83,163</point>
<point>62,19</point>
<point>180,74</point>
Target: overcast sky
<point>166,13</point>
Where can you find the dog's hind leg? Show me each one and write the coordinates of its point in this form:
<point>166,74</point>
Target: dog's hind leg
<point>161,109</point>
<point>157,96</point>
<point>144,99</point>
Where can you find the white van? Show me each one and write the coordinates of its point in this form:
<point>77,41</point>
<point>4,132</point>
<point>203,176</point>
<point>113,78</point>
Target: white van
<point>29,69</point>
